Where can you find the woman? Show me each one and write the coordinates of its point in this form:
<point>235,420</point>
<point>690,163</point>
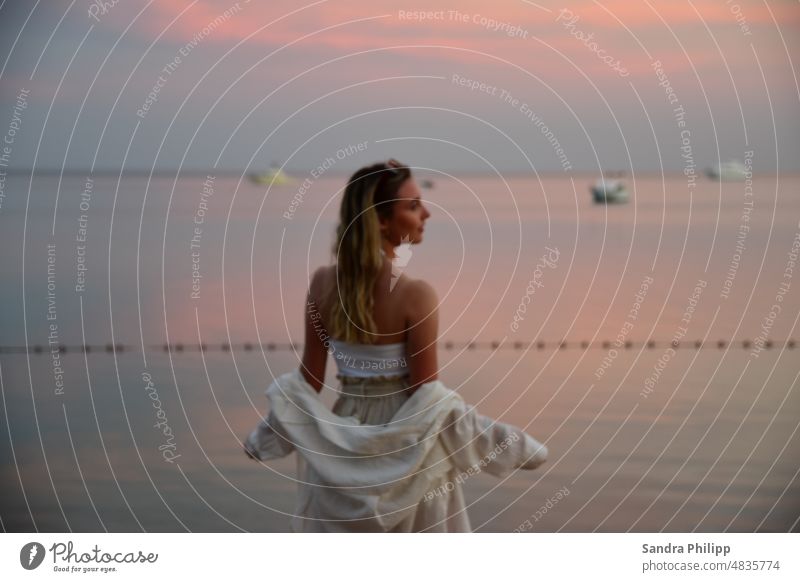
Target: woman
<point>392,453</point>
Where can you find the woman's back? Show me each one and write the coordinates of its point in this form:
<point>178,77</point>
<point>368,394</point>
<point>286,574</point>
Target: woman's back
<point>406,321</point>
<point>390,311</point>
<point>406,327</point>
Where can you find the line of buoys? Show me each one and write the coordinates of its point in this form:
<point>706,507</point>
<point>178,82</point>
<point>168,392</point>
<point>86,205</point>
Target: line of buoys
<point>448,345</point>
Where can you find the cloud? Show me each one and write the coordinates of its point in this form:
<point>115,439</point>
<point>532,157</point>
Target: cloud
<point>337,28</point>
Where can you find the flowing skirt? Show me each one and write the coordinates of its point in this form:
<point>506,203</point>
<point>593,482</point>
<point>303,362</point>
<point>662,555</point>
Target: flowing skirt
<point>372,401</point>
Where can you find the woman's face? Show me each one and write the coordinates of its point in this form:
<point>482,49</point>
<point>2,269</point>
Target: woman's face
<point>408,216</point>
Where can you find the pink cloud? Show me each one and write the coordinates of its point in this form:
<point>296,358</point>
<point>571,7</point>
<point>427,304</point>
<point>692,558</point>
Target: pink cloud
<point>246,18</point>
<point>462,42</point>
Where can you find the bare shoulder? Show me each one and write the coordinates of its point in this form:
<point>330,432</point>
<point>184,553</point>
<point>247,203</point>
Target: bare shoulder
<point>323,273</point>
<point>421,295</point>
<point>422,318</point>
<point>420,288</point>
<point>320,281</point>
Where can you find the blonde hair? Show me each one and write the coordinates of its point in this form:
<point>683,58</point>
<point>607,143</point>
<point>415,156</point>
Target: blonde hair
<point>370,194</point>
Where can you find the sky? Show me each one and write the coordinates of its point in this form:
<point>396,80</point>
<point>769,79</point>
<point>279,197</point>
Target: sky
<point>515,86</point>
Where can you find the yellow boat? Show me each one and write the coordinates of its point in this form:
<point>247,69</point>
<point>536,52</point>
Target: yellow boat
<point>274,176</point>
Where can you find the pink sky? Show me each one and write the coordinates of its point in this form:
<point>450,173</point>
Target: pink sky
<point>714,52</point>
<point>619,27</point>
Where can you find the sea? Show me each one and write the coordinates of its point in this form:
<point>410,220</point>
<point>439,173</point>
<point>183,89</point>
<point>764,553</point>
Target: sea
<point>651,345</point>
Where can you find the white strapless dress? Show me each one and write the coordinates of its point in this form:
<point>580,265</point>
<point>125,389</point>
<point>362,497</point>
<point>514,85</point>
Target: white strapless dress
<point>373,380</point>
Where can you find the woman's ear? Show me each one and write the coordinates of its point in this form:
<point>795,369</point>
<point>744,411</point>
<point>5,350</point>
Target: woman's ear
<point>383,224</point>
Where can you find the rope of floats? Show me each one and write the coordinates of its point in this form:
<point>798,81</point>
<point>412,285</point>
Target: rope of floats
<point>448,345</point>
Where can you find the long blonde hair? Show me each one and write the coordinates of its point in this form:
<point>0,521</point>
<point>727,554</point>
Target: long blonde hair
<point>370,194</point>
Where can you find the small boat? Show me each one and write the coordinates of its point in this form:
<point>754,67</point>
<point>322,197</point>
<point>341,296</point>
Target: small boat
<point>609,190</point>
<point>426,183</point>
<point>733,170</point>
<point>274,176</point>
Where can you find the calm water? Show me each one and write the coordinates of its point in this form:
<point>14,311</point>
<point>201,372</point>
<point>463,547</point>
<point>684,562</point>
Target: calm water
<point>642,438</point>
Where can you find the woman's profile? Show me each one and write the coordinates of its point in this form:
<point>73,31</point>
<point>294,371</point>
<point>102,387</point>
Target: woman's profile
<point>392,453</point>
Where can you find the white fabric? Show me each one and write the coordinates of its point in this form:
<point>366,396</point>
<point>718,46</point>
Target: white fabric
<point>401,476</point>
<point>372,403</point>
<point>368,360</point>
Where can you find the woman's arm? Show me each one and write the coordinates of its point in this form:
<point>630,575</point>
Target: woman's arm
<point>315,355</point>
<point>423,329</point>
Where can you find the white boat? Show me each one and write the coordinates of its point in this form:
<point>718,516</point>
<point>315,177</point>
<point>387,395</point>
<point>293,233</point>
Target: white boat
<point>607,190</point>
<point>733,170</point>
<point>274,176</point>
